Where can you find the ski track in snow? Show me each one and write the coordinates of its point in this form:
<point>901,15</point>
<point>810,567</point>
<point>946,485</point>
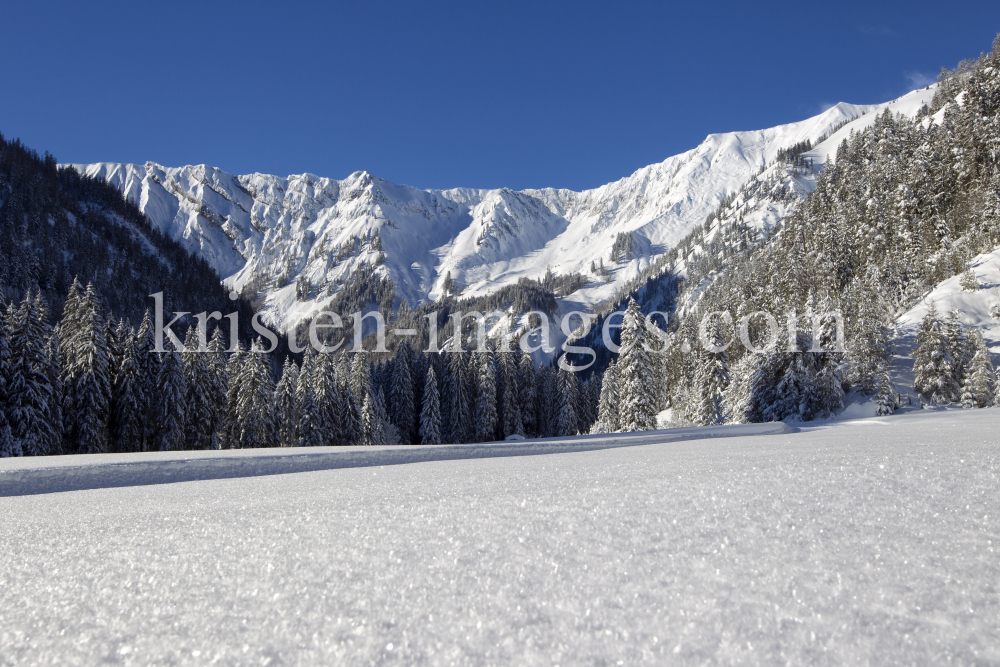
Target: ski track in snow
<point>861,542</point>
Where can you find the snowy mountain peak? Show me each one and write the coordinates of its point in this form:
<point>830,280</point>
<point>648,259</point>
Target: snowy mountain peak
<point>298,241</point>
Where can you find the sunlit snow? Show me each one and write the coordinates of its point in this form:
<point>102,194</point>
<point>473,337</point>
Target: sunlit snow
<point>859,542</point>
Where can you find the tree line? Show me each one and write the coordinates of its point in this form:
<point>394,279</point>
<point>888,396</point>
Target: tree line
<point>89,385</point>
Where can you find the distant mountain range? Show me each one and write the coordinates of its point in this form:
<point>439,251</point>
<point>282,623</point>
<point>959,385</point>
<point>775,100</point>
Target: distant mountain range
<point>294,243</point>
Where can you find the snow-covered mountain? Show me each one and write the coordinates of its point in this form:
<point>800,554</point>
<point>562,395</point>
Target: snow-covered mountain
<point>300,239</point>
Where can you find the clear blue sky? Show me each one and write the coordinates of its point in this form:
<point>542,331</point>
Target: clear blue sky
<point>438,94</point>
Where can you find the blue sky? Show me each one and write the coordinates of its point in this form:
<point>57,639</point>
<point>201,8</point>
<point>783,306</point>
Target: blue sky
<point>441,94</point>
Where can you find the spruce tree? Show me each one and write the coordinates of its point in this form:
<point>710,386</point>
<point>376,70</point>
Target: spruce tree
<point>886,398</point>
<point>375,419</point>
<point>255,420</point>
<point>460,411</point>
<point>7,442</point>
<point>486,396</point>
<point>328,400</point>
<point>636,381</point>
<point>353,421</point>
<point>567,399</point>
<point>86,375</point>
<point>310,420</point>
<point>401,400</point>
<point>527,395</point>
<point>28,384</point>
<point>286,406</point>
<point>509,402</point>
<point>235,371</point>
<point>126,435</point>
<point>548,397</point>
<point>933,370</point>
<point>430,413</point>
<point>218,388</point>
<point>978,383</point>
<point>713,380</point>
<point>148,370</point>
<point>170,403</point>
<point>607,411</point>
<point>198,385</point>
<point>9,445</point>
<point>361,376</point>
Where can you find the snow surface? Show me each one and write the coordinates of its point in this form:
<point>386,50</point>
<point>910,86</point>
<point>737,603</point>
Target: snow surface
<point>282,229</point>
<point>31,475</point>
<point>863,542</point>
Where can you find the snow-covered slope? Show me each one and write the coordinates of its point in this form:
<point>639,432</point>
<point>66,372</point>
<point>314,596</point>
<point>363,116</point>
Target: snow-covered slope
<point>974,310</point>
<point>301,238</point>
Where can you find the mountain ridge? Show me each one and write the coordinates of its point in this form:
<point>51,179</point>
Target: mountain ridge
<point>297,241</point>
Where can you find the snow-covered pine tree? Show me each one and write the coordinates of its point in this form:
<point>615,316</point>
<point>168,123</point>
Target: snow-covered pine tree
<point>286,406</point>
<point>28,384</point>
<point>886,396</point>
<point>310,420</point>
<point>742,402</point>
<point>460,410</point>
<point>126,434</point>
<point>638,408</point>
<point>375,420</point>
<point>255,402</point>
<point>215,360</point>
<point>794,394</point>
<point>9,445</point>
<point>548,396</point>
<point>418,369</point>
<point>958,346</point>
<point>236,368</point>
<point>401,406</point>
<point>607,410</point>
<point>829,393</point>
<point>509,402</point>
<point>170,403</point>
<point>328,399</point>
<point>430,413</point>
<point>486,395</point>
<point>53,360</point>
<point>933,371</point>
<point>50,368</point>
<point>114,349</point>
<point>361,376</point>
<point>87,376</point>
<point>148,369</point>
<point>198,385</point>
<point>526,379</point>
<point>713,379</point>
<point>868,342</point>
<point>305,380</point>
<point>590,397</point>
<point>567,399</point>
<point>353,423</point>
<point>969,282</point>
<point>978,385</point>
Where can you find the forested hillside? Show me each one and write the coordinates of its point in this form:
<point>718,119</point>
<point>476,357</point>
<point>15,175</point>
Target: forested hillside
<point>906,204</point>
<point>56,225</point>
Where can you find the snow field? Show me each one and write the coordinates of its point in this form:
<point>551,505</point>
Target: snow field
<point>51,474</point>
<point>862,542</point>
